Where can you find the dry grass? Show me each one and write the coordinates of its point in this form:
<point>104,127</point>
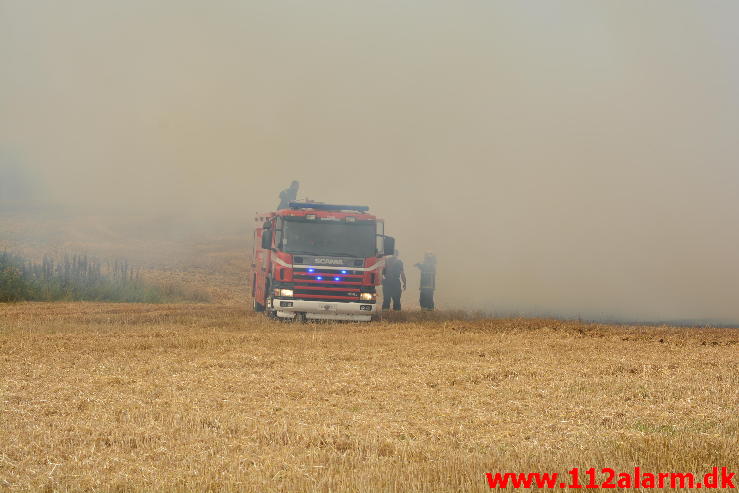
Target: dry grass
<point>118,397</point>
<point>167,253</point>
<point>197,397</point>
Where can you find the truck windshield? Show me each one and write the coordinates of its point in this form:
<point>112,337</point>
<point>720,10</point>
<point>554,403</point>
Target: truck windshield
<point>335,238</point>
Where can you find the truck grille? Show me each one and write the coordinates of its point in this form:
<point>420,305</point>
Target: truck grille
<point>344,276</point>
<point>320,284</point>
<point>319,294</point>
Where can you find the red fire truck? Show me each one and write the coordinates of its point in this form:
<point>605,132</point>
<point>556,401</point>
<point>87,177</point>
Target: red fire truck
<point>319,261</point>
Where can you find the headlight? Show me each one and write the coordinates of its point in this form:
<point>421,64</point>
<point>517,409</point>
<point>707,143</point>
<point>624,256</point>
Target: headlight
<point>287,293</point>
<point>367,296</point>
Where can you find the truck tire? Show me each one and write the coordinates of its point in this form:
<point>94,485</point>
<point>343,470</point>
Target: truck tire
<point>258,307</point>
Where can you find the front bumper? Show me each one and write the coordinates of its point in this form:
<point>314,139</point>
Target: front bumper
<point>325,310</point>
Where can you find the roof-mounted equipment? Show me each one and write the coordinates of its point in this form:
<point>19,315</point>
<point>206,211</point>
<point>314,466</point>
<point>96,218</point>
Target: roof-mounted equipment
<point>327,207</point>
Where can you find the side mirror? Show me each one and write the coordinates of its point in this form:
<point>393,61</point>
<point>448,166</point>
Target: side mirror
<point>388,245</point>
<point>267,239</point>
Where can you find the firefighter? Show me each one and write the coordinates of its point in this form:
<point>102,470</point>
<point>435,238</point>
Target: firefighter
<point>428,280</point>
<point>288,195</point>
<point>392,274</point>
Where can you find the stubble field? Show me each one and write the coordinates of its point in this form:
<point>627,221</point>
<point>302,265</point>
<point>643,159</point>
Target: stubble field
<point>113,397</point>
<point>133,397</point>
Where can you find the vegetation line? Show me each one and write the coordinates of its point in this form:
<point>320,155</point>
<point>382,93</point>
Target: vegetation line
<point>82,278</point>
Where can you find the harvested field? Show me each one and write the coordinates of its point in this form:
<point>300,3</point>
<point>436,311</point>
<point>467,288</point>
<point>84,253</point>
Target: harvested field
<point>115,397</point>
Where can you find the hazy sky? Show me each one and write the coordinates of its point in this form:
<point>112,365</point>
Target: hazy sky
<point>559,156</point>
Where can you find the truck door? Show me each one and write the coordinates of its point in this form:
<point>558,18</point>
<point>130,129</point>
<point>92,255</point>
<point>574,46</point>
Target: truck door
<point>261,261</point>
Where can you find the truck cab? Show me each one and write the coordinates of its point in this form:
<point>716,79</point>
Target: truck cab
<point>319,261</point>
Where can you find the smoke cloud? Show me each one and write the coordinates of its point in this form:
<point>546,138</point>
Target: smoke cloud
<point>567,157</point>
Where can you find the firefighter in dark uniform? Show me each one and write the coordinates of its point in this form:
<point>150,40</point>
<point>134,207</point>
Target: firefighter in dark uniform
<point>393,273</point>
<point>288,195</point>
<point>428,281</point>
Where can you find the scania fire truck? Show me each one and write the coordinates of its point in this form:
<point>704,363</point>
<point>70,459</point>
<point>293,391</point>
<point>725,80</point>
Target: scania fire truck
<point>319,261</point>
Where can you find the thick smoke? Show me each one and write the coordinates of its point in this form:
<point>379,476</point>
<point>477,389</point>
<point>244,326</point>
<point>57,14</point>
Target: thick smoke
<point>16,186</point>
<point>570,158</point>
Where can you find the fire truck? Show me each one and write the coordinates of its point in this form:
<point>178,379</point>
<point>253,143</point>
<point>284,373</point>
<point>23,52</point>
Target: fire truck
<point>319,261</point>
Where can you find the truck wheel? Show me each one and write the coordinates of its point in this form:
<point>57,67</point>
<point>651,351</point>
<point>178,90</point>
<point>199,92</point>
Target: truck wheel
<point>271,313</point>
<point>258,307</point>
